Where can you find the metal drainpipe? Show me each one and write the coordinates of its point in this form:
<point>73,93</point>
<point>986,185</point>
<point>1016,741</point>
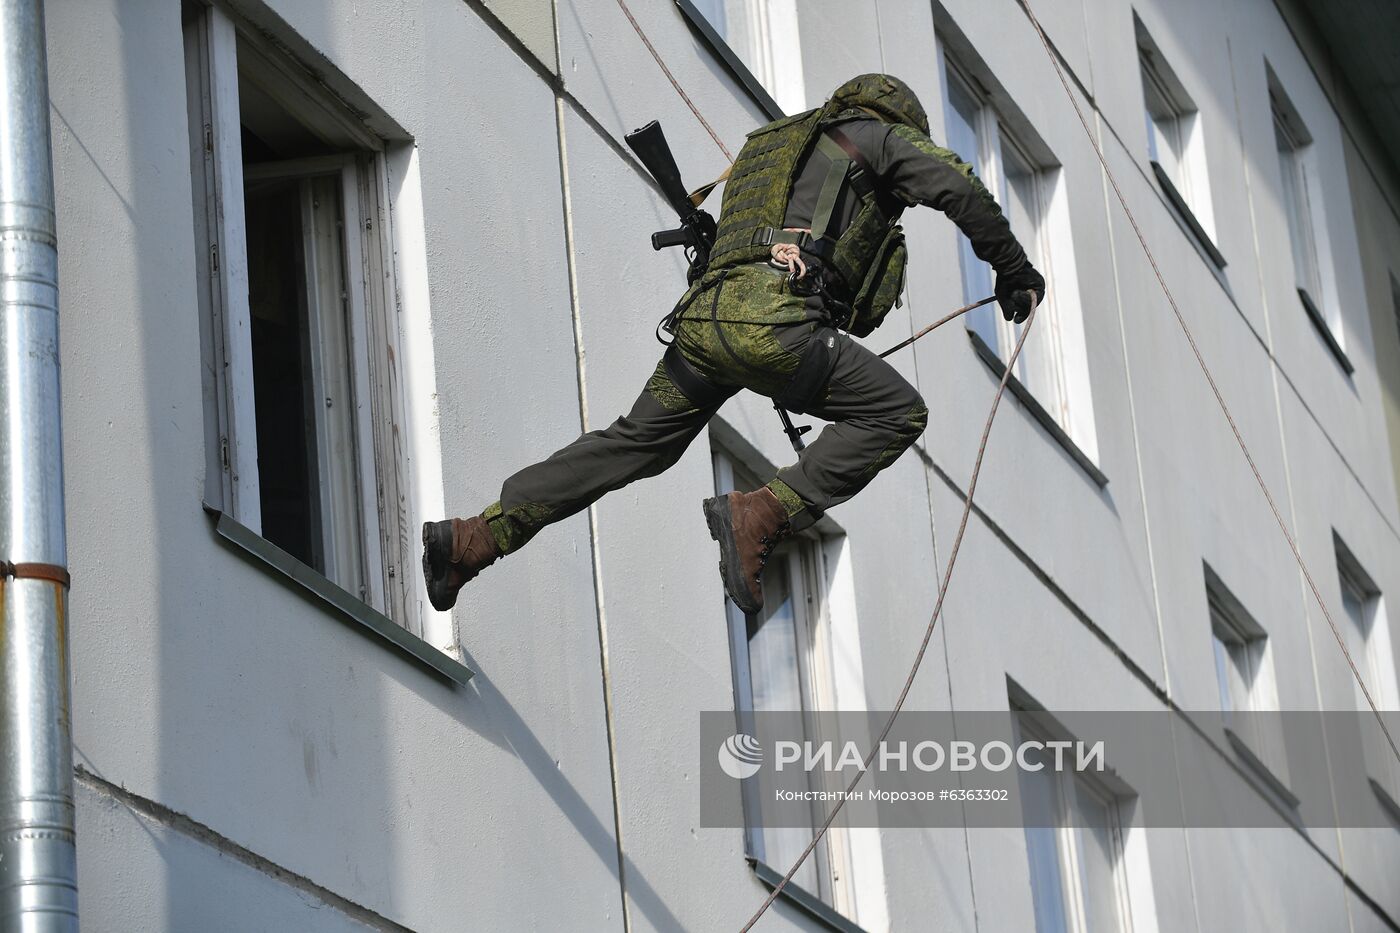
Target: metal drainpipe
<point>38,858</point>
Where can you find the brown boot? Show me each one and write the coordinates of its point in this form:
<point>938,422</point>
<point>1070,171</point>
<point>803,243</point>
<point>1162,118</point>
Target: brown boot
<point>454,551</point>
<point>747,525</point>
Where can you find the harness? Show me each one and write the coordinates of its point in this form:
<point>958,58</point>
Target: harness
<point>848,168</point>
<point>857,271</point>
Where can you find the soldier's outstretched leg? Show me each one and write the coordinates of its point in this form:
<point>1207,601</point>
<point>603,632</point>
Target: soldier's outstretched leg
<point>645,442</point>
<point>876,416</point>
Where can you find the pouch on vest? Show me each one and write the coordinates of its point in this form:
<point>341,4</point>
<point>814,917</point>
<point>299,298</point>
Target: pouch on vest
<point>883,285</point>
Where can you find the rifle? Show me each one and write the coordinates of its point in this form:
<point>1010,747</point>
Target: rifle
<point>697,230</point>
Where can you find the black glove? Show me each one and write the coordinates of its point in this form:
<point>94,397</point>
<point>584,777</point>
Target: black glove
<point>1019,292</point>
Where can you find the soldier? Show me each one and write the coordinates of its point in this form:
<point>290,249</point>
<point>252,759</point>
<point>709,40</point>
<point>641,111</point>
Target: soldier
<point>808,246</point>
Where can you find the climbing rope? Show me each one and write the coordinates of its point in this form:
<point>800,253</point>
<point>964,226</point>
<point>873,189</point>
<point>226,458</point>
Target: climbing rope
<point>1214,388</point>
<point>933,619</point>
<point>986,433</point>
<point>939,323</point>
<point>674,83</point>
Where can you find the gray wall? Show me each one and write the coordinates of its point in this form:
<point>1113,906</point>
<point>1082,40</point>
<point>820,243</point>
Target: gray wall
<point>211,691</point>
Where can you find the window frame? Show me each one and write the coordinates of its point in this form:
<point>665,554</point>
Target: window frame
<point>1369,642</point>
<point>352,343</point>
<point>1309,247</point>
<point>805,557</point>
<point>1395,302</point>
<point>1242,653</point>
<point>214,43</point>
<point>1257,739</point>
<point>1030,724</point>
<point>1156,90</point>
<point>1291,145</point>
<point>1187,192</point>
<point>729,58</point>
<point>1047,382</point>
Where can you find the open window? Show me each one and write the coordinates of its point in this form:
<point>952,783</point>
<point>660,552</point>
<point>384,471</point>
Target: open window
<point>1029,186</point>
<point>1175,145</point>
<point>297,300</point>
<point>783,662</point>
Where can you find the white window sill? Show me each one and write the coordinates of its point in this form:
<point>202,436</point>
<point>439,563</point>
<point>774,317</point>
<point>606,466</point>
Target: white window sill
<point>1187,217</point>
<point>1261,769</point>
<point>804,900</point>
<point>1387,800</point>
<point>1037,411</point>
<point>730,60</point>
<point>1324,330</point>
<point>344,605</point>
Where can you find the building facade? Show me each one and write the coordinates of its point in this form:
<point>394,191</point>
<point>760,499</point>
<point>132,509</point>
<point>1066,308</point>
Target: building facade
<point>331,269</point>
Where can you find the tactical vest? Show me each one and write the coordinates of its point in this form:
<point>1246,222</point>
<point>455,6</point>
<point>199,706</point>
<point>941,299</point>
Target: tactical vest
<point>864,266</point>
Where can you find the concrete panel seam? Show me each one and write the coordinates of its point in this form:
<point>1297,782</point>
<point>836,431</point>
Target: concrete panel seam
<point>555,83</point>
<point>1146,679</point>
<point>193,829</point>
<point>595,548</point>
<point>1268,350</point>
<point>1281,422</point>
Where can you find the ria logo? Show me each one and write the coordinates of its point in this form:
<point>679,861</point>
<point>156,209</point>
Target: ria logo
<point>740,756</point>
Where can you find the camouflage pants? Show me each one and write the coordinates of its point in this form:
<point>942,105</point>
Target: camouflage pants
<point>749,334</point>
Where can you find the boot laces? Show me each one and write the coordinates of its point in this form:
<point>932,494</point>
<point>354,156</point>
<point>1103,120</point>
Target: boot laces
<point>769,543</point>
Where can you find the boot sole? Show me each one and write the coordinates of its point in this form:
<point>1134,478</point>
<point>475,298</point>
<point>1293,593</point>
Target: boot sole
<point>730,570</point>
<point>437,544</point>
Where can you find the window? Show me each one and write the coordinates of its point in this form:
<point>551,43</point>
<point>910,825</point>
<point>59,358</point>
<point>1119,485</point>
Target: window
<point>1238,655</point>
<point>1292,141</point>
<point>783,661</point>
<point>1053,367</point>
<point>1395,301</point>
<point>1367,636</point>
<point>1306,236</point>
<point>1175,148</point>
<point>764,35</point>
<point>1244,677</point>
<point>297,299</point>
<point>1075,843</point>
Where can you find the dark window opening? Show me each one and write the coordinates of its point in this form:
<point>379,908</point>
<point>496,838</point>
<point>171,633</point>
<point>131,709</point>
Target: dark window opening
<point>281,370</point>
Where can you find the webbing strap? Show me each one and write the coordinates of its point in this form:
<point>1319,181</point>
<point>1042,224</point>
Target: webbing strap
<point>831,186</point>
<point>863,179</point>
<point>769,236</point>
<point>698,196</point>
<point>802,239</point>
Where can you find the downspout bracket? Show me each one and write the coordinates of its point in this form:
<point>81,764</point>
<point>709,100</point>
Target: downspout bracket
<point>36,571</point>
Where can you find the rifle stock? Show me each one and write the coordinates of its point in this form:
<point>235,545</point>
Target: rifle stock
<point>649,143</point>
<point>697,230</point>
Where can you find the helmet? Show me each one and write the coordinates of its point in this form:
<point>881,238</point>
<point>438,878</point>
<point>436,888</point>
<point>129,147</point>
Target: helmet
<point>883,95</point>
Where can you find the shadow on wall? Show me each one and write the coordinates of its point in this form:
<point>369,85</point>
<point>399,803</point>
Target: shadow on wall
<point>242,740</point>
<point>491,716</point>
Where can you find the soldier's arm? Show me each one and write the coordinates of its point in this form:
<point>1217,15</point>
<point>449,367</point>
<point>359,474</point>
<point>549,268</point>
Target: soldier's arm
<point>919,171</point>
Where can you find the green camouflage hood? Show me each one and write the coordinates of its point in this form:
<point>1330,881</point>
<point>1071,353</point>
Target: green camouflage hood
<point>885,95</point>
